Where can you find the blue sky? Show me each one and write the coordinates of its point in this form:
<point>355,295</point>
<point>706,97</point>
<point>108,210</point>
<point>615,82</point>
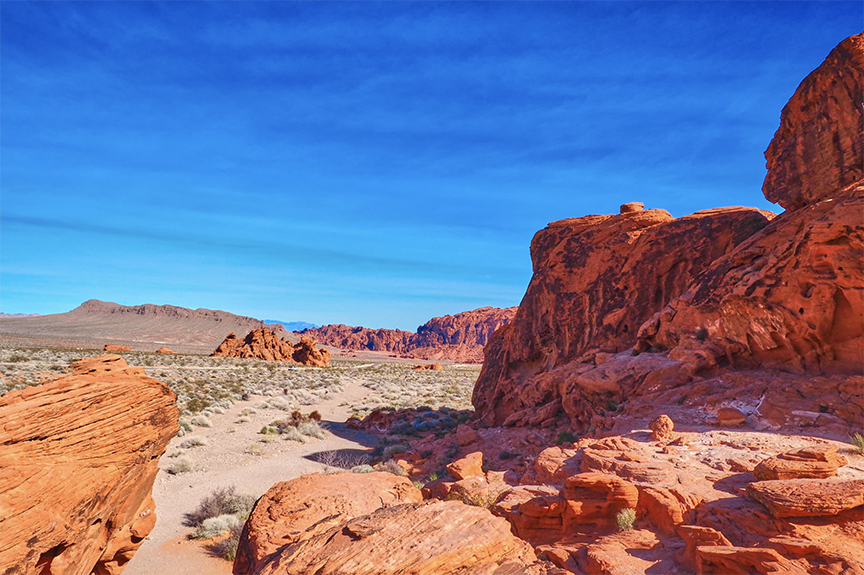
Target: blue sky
<point>373,164</point>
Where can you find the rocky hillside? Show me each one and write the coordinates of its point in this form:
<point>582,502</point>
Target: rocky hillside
<point>141,327</point>
<point>458,337</point>
<point>75,483</point>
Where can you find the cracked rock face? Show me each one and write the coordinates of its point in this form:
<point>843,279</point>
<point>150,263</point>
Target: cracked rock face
<point>78,457</point>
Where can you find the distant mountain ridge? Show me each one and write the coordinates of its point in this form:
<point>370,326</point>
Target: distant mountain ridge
<point>460,337</point>
<point>140,326</point>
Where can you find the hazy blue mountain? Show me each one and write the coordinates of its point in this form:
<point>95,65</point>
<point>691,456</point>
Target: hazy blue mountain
<point>292,325</point>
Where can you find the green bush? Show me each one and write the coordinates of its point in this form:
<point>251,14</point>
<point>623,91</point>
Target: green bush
<point>225,501</point>
<point>567,437</point>
<point>180,465</point>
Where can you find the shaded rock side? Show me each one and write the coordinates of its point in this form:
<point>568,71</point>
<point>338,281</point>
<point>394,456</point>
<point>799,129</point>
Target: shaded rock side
<point>458,337</point>
<point>292,511</point>
<point>818,147</point>
<point>78,457</point>
<point>264,344</point>
<point>596,280</point>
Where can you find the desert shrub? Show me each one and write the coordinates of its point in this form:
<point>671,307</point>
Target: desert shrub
<point>365,468</point>
<point>180,465</point>
<point>185,426</point>
<point>201,421</point>
<point>216,526</point>
<point>858,442</point>
<point>567,437</point>
<point>391,466</point>
<point>612,405</point>
<point>193,442</point>
<point>18,358</point>
<point>224,501</point>
<point>311,429</point>
<point>293,434</point>
<point>196,405</point>
<point>481,498</point>
<point>227,548</point>
<point>269,430</point>
<point>625,519</point>
<point>507,455</point>
<point>702,334</point>
<point>255,450</point>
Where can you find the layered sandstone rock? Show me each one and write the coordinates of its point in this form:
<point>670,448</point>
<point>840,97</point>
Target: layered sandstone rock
<point>818,148</point>
<point>264,344</point>
<point>78,457</point>
<point>373,524</point>
<point>458,337</point>
<point>165,350</point>
<point>818,461</point>
<point>808,497</point>
<point>295,510</point>
<point>596,280</point>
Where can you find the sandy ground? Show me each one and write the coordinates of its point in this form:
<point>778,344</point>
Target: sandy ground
<point>223,462</point>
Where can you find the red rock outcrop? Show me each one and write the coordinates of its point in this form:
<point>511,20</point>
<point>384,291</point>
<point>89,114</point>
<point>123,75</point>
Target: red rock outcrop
<point>818,461</point>
<point>808,497</point>
<point>373,524</point>
<point>165,350</point>
<point>295,510</point>
<point>429,538</point>
<point>264,344</point>
<point>78,457</point>
<point>458,337</point>
<point>428,367</point>
<point>114,347</point>
<point>596,280</point>
<point>818,148</point>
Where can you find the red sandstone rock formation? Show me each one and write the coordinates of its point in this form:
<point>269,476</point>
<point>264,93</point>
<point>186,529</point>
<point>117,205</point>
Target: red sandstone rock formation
<point>429,367</point>
<point>78,457</point>
<point>372,523</point>
<point>165,350</point>
<point>596,280</point>
<point>264,344</point>
<point>818,148</point>
<point>295,510</point>
<point>459,337</point>
<point>113,347</point>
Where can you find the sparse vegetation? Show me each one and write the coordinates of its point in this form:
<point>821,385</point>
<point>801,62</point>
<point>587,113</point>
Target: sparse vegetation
<point>180,465</point>
<point>221,514</point>
<point>858,442</point>
<point>193,442</point>
<point>566,436</point>
<point>391,466</point>
<point>702,334</point>
<point>625,519</point>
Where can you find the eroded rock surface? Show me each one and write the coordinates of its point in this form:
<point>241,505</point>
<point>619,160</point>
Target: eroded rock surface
<point>78,457</point>
<point>817,148</point>
<point>632,264</point>
<point>295,510</point>
<point>264,344</point>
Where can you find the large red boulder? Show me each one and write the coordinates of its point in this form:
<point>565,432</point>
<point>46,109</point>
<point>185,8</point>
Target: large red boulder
<point>818,147</point>
<point>78,457</point>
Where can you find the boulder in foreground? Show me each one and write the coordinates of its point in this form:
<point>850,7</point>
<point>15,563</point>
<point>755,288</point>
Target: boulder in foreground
<point>78,457</point>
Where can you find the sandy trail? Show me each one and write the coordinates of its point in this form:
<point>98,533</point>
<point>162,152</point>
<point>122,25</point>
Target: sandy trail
<point>224,461</point>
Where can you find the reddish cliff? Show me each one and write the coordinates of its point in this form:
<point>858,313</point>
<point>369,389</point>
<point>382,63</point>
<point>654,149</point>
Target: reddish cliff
<point>78,457</point>
<point>264,344</point>
<point>596,280</point>
<point>818,148</point>
<point>458,337</point>
<point>705,295</point>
